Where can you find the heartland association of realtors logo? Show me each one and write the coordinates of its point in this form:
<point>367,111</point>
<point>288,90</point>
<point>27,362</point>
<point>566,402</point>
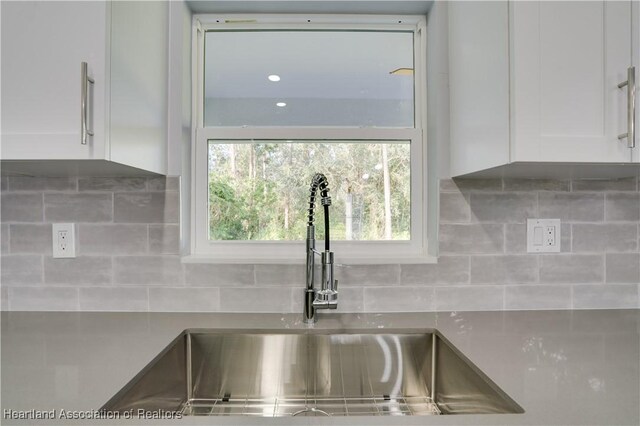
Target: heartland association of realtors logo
<point>33,414</point>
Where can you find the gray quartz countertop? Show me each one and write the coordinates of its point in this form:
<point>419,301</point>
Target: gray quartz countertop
<point>562,367</point>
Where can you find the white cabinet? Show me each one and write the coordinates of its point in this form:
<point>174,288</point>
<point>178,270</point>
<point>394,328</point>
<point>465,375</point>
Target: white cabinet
<point>43,44</point>
<point>567,61</point>
<point>125,47</point>
<point>548,80</point>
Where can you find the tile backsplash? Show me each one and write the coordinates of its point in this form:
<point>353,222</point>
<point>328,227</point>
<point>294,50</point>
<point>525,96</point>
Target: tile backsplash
<point>127,242</point>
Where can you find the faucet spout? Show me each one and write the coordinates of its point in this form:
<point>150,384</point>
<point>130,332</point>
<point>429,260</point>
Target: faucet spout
<point>327,296</point>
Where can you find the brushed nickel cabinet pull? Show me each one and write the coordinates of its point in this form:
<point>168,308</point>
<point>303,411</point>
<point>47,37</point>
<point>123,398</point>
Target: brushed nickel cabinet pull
<point>631,107</point>
<point>84,94</point>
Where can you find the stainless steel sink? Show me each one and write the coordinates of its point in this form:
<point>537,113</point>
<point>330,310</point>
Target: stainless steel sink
<point>312,373</point>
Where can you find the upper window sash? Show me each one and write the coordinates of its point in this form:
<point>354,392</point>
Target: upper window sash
<point>257,22</point>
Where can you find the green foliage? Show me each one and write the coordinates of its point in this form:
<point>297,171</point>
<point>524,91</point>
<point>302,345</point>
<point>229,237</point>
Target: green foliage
<point>259,191</point>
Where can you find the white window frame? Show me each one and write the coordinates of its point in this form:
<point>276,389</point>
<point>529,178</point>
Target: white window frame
<point>414,250</point>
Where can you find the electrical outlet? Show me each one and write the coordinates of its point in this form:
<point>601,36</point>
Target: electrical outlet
<point>64,240</point>
<point>543,235</point>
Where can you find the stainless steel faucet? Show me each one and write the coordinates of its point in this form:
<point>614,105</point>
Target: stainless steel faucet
<point>327,296</point>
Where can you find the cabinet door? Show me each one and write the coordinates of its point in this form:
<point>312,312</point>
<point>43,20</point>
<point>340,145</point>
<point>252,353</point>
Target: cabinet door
<point>567,59</point>
<point>43,44</point>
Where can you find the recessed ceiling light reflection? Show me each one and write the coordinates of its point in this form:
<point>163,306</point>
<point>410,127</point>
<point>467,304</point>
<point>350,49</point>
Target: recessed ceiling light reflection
<point>274,77</point>
<point>281,104</point>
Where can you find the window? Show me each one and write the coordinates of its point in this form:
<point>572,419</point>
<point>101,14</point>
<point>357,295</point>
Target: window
<point>278,98</point>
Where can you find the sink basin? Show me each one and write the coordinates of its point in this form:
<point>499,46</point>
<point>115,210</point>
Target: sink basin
<point>312,373</point>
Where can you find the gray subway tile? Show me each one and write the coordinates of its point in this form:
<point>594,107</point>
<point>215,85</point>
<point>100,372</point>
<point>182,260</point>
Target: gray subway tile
<point>508,207</point>
<point>164,239</point>
<point>570,207</point>
<point>526,297</point>
<point>471,184</point>
<point>448,270</point>
<point>297,299</point>
<point>148,207</point>
<point>626,184</point>
<point>366,275</point>
<point>4,183</point>
<point>4,238</point>
<point>454,207</point>
<point>114,299</point>
<point>82,270</point>
<point>17,269</point>
<point>515,239</point>
<point>29,183</point>
<point>21,207</point>
<point>507,269</point>
<point>622,207</point>
<point>469,298</point>
<point>31,238</point>
<point>536,185</point>
<point>163,183</point>
<point>257,299</point>
<point>148,270</point>
<point>622,268</point>
<point>120,184</point>
<point>571,268</point>
<point>471,238</point>
<point>607,296</point>
<point>399,299</point>
<point>78,207</point>
<point>293,275</point>
<point>4,299</point>
<point>167,299</point>
<point>604,237</point>
<point>212,274</point>
<point>115,239</point>
<point>43,299</point>
<point>350,299</point>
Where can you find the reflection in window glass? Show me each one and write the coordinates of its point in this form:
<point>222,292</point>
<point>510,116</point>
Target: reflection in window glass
<point>259,191</point>
<point>309,78</point>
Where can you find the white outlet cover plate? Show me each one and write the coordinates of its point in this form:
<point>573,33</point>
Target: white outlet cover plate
<point>66,248</point>
<point>543,235</point>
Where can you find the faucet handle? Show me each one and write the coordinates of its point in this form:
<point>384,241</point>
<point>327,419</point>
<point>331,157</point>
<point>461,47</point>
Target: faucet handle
<point>335,285</point>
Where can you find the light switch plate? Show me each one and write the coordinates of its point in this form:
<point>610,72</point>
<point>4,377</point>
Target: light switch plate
<point>543,235</point>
